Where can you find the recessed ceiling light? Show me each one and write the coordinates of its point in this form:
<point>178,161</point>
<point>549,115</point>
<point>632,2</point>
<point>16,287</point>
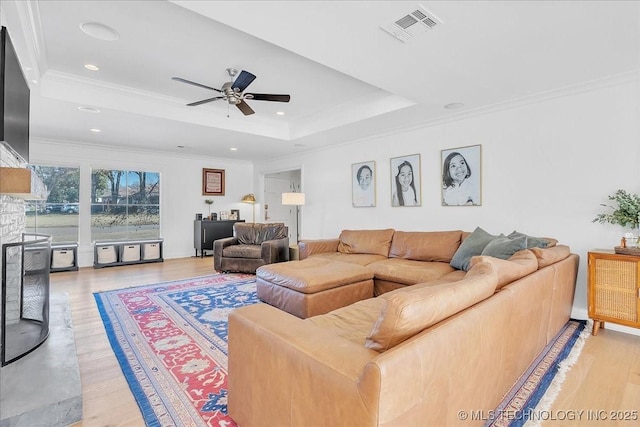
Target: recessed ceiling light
<point>454,105</point>
<point>99,31</point>
<point>280,113</point>
<point>181,146</point>
<point>95,130</point>
<point>233,149</point>
<point>88,109</point>
<point>91,67</point>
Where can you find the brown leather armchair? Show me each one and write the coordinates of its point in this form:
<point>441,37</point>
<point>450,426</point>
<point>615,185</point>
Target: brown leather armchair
<point>252,246</point>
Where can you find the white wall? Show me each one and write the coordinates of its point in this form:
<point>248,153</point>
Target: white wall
<point>180,188</point>
<point>547,166</point>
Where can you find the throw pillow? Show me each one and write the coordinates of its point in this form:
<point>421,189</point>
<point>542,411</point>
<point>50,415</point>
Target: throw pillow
<point>532,242</point>
<point>503,247</point>
<point>471,246</point>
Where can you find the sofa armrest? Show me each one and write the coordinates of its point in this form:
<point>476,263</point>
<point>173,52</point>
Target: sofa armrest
<point>291,372</point>
<point>273,251</point>
<point>310,247</point>
<point>218,247</point>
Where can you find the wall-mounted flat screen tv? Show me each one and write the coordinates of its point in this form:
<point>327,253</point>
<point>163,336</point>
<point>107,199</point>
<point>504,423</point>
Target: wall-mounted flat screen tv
<point>14,99</point>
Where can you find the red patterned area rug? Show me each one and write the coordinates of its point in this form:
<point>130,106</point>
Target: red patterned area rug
<point>171,342</point>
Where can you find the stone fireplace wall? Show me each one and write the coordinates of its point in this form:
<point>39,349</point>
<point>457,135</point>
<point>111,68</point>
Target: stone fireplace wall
<point>12,225</point>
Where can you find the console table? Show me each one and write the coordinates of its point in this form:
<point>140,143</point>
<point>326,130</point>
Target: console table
<point>206,232</point>
<point>614,289</point>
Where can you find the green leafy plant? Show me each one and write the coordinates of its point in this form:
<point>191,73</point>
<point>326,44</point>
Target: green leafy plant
<point>626,213</point>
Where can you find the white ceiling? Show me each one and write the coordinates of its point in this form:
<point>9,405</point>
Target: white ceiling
<point>347,77</point>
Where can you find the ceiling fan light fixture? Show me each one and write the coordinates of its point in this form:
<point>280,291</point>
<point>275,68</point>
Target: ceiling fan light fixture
<point>233,92</point>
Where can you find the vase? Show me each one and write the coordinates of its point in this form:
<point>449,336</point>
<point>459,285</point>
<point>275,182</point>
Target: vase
<point>631,239</point>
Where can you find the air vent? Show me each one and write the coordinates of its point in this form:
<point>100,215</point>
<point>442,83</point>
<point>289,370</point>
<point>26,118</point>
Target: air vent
<point>410,25</point>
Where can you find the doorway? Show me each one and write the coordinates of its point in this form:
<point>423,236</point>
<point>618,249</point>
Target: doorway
<point>274,211</point>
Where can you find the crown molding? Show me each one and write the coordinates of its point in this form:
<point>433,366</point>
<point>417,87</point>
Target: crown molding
<point>138,151</point>
<point>585,87</point>
<point>576,89</point>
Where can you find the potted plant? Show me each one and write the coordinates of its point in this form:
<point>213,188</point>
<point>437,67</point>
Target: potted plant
<point>209,202</point>
<point>625,212</point>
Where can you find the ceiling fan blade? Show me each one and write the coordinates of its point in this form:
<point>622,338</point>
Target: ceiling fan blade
<point>244,107</point>
<point>267,97</point>
<point>243,80</point>
<point>179,79</point>
<point>204,101</point>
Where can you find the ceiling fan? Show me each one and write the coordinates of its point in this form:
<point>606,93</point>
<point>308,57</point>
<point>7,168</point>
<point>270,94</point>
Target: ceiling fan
<point>233,91</point>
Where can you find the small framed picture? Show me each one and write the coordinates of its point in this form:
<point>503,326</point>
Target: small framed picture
<point>224,215</point>
<point>235,214</point>
<point>363,184</point>
<point>213,182</point>
<point>462,176</point>
<point>405,181</point>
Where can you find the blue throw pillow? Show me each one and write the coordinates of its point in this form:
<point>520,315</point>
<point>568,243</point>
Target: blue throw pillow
<point>470,247</point>
<point>503,247</point>
<point>532,242</point>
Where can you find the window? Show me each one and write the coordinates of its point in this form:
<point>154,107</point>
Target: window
<point>124,205</point>
<point>58,215</point>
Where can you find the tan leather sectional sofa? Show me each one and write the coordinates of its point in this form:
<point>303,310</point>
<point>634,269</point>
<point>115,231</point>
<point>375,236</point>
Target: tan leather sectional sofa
<point>434,344</point>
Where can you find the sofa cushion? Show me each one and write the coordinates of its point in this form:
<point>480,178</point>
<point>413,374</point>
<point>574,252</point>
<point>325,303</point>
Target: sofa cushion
<point>242,251</point>
<point>408,311</point>
<point>365,241</point>
<point>255,234</point>
<point>352,322</point>
<point>548,256</point>
<point>520,264</point>
<point>425,245</point>
<point>471,246</point>
<point>409,272</point>
<point>360,259</point>
<point>503,247</point>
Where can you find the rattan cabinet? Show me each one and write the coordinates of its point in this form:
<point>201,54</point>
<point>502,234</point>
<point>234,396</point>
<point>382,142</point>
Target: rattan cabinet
<point>613,289</point>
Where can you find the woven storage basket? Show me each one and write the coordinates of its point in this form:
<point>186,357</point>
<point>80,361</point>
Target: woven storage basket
<point>62,258</point>
<point>151,251</point>
<point>130,253</point>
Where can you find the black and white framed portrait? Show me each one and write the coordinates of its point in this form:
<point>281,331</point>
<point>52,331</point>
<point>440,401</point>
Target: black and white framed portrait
<point>363,184</point>
<point>405,180</point>
<point>462,176</point>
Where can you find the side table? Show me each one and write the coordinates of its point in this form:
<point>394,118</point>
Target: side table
<point>613,288</point>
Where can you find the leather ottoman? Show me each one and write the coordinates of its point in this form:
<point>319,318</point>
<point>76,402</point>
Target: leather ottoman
<point>313,286</point>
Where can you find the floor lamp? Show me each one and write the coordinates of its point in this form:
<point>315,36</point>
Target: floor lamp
<point>297,200</point>
<point>250,198</point>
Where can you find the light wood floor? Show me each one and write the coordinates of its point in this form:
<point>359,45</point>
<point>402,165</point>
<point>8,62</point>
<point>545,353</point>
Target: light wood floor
<point>606,378</point>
